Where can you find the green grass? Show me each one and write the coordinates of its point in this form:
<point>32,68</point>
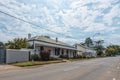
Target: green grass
<point>81,59</point>
<point>74,60</point>
<point>30,63</point>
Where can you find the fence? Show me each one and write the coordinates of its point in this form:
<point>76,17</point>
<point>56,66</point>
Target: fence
<point>2,55</point>
<point>13,55</point>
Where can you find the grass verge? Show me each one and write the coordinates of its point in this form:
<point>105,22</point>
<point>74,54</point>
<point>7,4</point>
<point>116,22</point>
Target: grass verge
<point>30,63</point>
<point>82,59</point>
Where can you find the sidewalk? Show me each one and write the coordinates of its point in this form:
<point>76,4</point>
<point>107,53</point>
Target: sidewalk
<point>5,67</point>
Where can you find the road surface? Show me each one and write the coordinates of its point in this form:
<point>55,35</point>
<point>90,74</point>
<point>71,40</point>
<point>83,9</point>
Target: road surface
<point>96,69</point>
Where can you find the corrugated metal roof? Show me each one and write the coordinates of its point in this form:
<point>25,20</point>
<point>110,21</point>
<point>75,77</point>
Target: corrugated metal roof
<point>49,40</point>
<point>53,45</point>
<point>85,46</point>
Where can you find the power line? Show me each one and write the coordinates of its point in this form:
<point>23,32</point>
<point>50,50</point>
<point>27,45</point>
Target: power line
<point>35,24</point>
<point>40,26</point>
<point>26,21</point>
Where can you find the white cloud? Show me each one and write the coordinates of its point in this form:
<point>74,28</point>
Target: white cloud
<point>98,27</point>
<point>5,37</point>
<point>115,12</point>
<point>69,40</point>
<point>114,39</point>
<point>59,19</point>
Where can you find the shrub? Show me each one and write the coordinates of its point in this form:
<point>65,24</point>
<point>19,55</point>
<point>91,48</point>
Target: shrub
<point>99,52</point>
<point>53,58</point>
<point>64,56</point>
<point>45,55</point>
<point>35,57</point>
<point>77,57</point>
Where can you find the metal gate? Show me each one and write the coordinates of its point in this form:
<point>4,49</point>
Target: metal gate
<point>2,56</point>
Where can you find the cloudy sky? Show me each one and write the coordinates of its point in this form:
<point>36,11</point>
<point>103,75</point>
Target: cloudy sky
<point>73,20</point>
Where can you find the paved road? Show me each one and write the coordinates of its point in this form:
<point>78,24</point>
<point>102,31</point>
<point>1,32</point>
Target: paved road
<point>97,69</point>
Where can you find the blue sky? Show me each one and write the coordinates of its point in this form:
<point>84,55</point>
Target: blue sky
<point>75,18</point>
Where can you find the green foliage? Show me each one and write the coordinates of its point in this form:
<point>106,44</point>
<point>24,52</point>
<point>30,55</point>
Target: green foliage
<point>88,42</point>
<point>99,52</point>
<point>99,47</point>
<point>18,43</point>
<point>26,64</point>
<point>2,45</point>
<point>77,57</point>
<point>113,50</point>
<point>35,57</point>
<point>110,51</point>
<point>53,58</point>
<point>99,42</point>
<point>64,56</point>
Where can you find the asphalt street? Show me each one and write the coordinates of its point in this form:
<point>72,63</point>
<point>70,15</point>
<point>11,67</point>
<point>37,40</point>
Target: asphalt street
<point>96,69</point>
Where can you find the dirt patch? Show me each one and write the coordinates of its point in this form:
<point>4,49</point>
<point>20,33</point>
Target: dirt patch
<point>6,67</point>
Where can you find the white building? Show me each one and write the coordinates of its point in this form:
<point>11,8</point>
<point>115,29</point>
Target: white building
<point>55,47</point>
<point>85,51</point>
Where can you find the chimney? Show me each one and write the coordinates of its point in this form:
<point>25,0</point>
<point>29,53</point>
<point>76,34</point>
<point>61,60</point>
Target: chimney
<point>29,36</point>
<point>56,39</point>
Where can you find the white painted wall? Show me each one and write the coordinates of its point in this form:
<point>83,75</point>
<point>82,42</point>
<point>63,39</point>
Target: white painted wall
<point>49,46</point>
<point>90,52</point>
<point>80,50</point>
<point>52,54</point>
<point>16,56</point>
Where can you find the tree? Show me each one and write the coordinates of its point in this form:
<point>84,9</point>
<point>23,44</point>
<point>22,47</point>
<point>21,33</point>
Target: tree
<point>110,51</point>
<point>96,45</point>
<point>1,44</point>
<point>88,42</point>
<point>99,47</point>
<point>99,42</point>
<point>99,52</point>
<point>18,43</point>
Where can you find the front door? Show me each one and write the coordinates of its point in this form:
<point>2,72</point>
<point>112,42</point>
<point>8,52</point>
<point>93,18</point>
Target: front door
<point>57,51</point>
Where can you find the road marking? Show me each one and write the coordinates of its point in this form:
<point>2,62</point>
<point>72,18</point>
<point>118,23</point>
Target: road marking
<point>114,78</point>
<point>69,69</point>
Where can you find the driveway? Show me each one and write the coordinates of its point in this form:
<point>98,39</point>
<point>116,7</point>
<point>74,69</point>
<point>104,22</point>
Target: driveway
<point>98,69</point>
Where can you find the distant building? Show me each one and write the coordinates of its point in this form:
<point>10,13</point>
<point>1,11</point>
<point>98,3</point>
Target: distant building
<point>85,51</point>
<point>55,47</point>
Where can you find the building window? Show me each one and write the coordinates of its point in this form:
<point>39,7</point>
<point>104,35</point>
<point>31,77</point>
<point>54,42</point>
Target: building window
<point>49,51</point>
<point>41,48</point>
<point>57,51</point>
<point>62,51</point>
<point>67,51</point>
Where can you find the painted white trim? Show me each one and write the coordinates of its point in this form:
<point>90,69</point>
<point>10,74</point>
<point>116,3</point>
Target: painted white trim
<point>52,45</point>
